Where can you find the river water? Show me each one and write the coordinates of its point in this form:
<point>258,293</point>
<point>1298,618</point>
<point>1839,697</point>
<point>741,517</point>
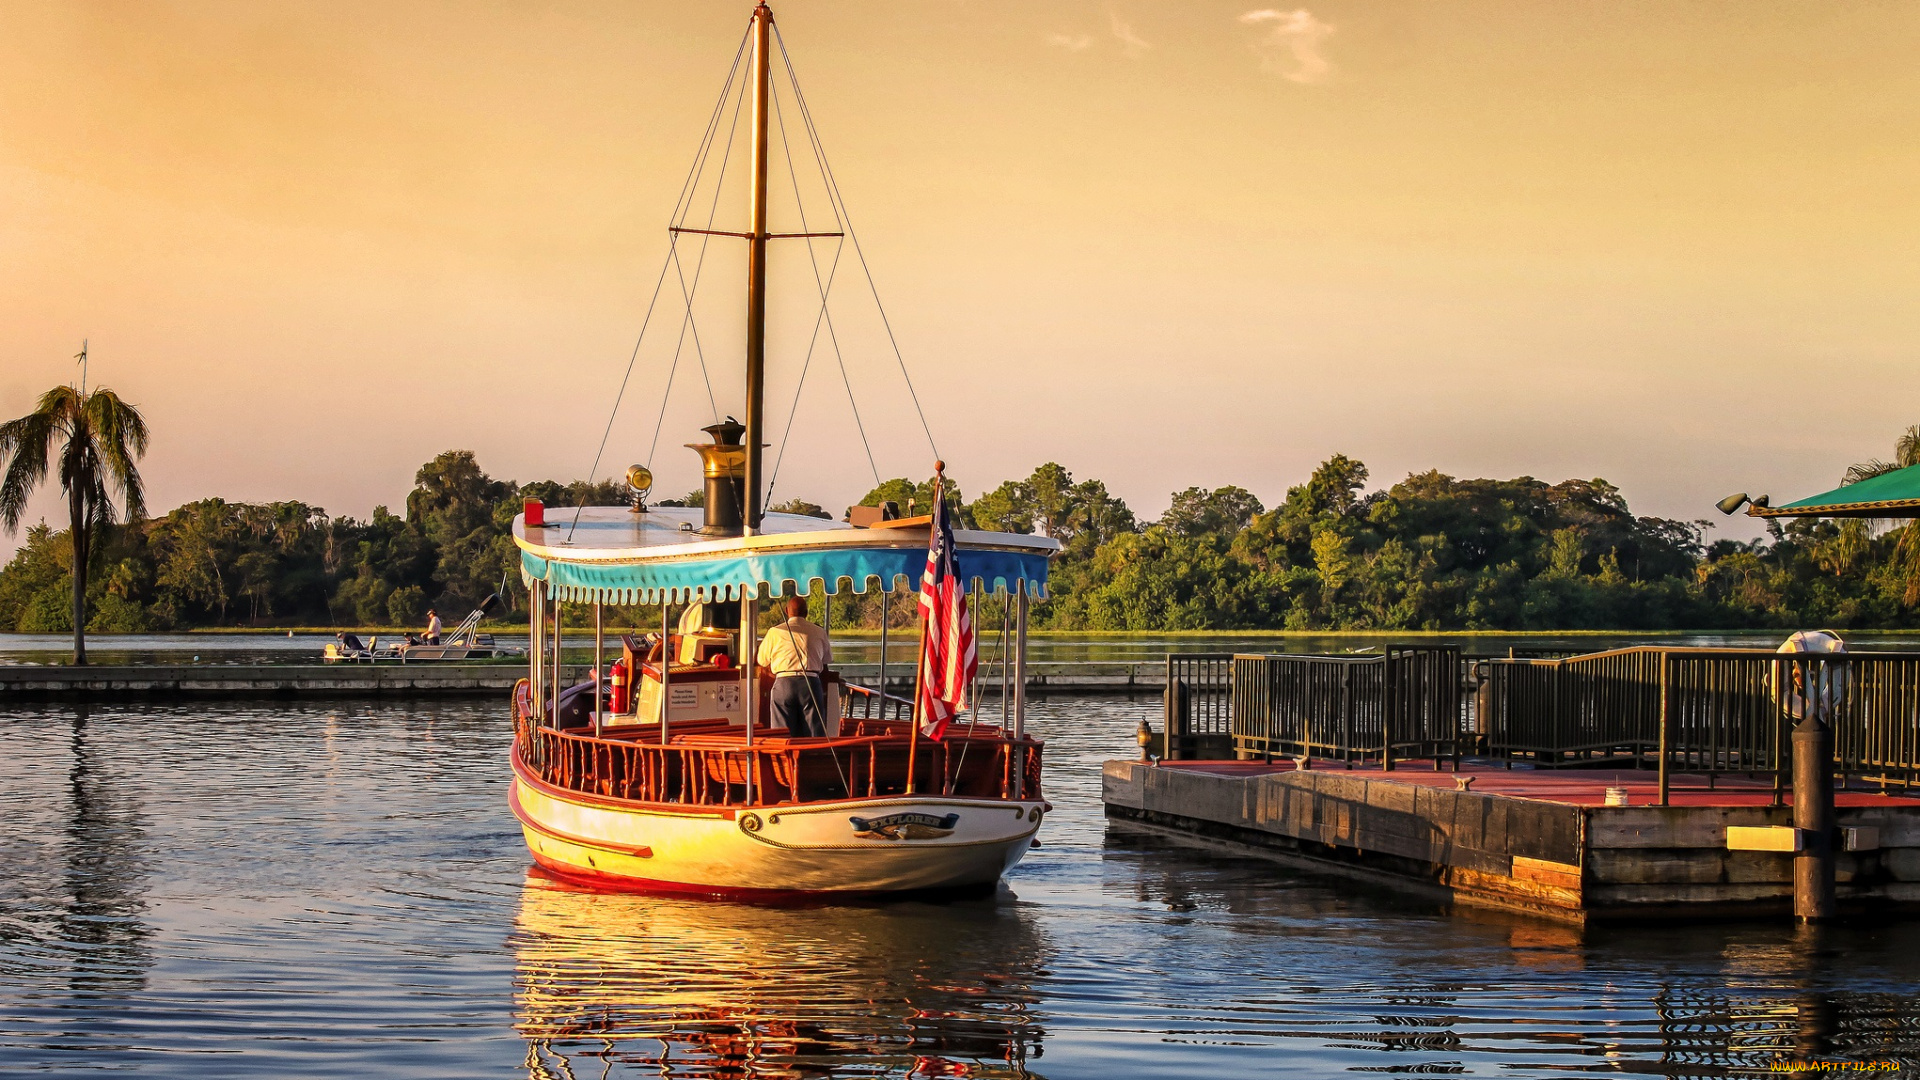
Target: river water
<point>244,890</point>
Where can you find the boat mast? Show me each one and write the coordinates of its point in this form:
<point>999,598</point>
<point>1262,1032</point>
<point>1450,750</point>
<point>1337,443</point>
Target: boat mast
<point>757,266</point>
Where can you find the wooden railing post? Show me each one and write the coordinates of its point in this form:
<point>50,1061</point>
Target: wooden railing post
<point>1666,725</point>
<point>1350,718</point>
<point>1388,703</point>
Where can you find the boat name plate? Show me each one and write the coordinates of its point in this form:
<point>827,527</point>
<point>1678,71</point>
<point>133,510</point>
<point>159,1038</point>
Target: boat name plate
<point>908,826</point>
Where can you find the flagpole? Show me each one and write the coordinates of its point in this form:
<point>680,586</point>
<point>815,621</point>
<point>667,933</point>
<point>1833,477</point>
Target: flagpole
<point>918,716</point>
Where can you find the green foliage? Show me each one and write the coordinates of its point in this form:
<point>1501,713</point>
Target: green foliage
<point>36,567</point>
<point>1431,552</point>
<point>1197,511</point>
<point>801,507</point>
<point>1438,553</point>
<point>49,611</point>
<point>406,606</point>
<point>217,563</point>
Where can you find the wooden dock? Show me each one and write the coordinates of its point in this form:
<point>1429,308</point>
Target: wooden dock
<point>1538,841</point>
<point>92,683</point>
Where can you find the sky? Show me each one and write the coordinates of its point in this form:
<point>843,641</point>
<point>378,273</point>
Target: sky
<point>1163,244</point>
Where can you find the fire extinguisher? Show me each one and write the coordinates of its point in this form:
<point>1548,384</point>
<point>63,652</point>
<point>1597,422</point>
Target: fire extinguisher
<point>618,678</point>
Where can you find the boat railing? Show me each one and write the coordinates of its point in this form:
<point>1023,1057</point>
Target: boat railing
<point>870,704</point>
<point>719,771</point>
<point>708,765</point>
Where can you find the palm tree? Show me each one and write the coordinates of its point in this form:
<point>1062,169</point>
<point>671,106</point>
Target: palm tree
<point>1906,550</point>
<point>1906,454</point>
<point>98,438</point>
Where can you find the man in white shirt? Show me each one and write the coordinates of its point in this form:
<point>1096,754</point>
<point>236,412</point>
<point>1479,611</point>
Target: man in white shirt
<point>433,628</point>
<point>796,652</point>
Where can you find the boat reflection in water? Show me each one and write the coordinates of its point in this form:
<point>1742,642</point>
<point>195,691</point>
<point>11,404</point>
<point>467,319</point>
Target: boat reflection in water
<point>621,983</point>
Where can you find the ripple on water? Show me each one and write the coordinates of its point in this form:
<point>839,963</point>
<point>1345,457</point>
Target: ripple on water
<point>314,890</point>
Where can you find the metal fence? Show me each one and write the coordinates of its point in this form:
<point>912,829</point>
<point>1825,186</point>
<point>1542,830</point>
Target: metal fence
<point>1698,711</point>
<point>1199,695</point>
<point>1703,711</point>
<point>1405,703</point>
<point>1602,705</point>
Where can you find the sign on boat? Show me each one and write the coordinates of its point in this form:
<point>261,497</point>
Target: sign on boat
<point>687,784</point>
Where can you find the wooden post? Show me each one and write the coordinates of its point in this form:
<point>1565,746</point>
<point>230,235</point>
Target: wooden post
<point>1666,726</point>
<point>1172,710</point>
<point>1813,899</point>
<point>1388,702</point>
<point>1348,711</point>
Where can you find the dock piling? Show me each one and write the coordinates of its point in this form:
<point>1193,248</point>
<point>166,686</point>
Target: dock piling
<point>1813,896</point>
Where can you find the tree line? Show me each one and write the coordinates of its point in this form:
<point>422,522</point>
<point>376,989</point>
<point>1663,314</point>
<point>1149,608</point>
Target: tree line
<point>1431,552</point>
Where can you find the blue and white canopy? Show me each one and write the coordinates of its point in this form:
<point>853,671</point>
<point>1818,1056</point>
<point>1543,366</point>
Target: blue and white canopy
<point>615,556</point>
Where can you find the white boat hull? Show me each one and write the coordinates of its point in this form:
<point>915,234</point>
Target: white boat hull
<point>902,843</point>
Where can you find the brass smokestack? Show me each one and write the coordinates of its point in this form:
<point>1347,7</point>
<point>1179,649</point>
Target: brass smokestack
<point>724,464</point>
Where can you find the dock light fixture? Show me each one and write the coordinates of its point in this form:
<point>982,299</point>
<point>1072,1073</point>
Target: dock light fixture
<point>640,480</point>
<point>1734,502</point>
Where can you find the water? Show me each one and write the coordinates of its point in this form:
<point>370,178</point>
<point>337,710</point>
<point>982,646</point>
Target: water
<point>240,890</point>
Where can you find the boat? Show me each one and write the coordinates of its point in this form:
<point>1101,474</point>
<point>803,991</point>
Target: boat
<point>465,643</point>
<point>687,784</point>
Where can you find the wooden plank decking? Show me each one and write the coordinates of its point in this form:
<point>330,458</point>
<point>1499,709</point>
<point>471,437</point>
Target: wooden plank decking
<point>1538,841</point>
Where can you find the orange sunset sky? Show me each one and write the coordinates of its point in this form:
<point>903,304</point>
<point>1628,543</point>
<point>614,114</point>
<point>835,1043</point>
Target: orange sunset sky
<point>1670,244</point>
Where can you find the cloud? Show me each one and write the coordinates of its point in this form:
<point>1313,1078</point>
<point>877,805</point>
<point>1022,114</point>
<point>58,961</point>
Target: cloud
<point>1289,45</point>
<point>1071,42</point>
<point>1130,43</point>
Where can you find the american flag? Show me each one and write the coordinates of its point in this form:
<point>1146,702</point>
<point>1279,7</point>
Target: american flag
<point>948,661</point>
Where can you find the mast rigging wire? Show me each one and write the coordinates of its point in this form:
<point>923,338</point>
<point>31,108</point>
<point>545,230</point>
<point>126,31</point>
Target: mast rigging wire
<point>846,216</point>
<point>679,218</point>
<point>683,207</point>
<point>825,316</point>
<point>686,186</point>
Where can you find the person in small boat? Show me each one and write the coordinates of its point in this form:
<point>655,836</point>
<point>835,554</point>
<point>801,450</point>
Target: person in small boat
<point>433,627</point>
<point>797,652</point>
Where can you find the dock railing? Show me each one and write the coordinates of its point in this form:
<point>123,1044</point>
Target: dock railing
<point>1199,704</point>
<point>1698,711</point>
<point>1399,704</point>
<point>1705,712</point>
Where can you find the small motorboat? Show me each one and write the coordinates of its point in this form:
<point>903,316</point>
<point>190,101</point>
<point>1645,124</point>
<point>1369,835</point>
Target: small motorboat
<point>464,643</point>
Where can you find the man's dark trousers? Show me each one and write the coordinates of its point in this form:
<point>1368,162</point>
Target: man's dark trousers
<point>799,702</point>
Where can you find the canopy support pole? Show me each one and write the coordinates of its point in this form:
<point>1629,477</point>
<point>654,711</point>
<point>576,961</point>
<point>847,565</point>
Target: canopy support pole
<point>559,678</point>
<point>1006,702</point>
<point>537,642</point>
<point>599,647</point>
<point>666,665</point>
<point>1020,689</point>
<point>749,629</point>
<point>884,593</point>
